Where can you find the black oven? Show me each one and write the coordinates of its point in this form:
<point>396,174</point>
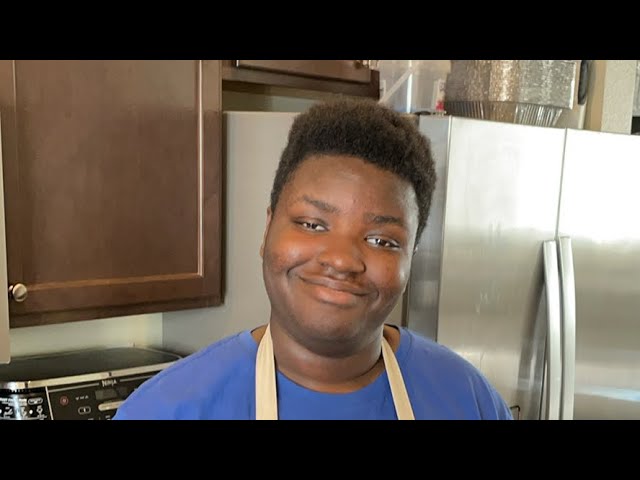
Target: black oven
<point>81,385</point>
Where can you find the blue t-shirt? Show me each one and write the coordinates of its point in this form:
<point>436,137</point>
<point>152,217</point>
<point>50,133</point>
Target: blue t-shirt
<point>218,382</point>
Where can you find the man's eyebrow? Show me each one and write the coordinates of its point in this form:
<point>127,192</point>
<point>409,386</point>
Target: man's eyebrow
<point>384,219</point>
<point>324,206</point>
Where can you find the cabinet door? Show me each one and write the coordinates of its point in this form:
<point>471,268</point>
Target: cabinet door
<point>343,77</point>
<point>348,70</point>
<point>112,173</point>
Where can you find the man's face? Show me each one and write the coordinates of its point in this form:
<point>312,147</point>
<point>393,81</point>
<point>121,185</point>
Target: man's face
<point>337,250</point>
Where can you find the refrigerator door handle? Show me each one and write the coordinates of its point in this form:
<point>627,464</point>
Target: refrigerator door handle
<point>568,289</point>
<point>554,357</point>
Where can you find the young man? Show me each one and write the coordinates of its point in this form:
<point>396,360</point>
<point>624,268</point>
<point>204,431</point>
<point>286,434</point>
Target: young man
<point>349,201</point>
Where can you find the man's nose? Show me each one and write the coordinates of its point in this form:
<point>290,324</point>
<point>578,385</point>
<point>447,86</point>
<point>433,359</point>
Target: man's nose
<point>342,256</point>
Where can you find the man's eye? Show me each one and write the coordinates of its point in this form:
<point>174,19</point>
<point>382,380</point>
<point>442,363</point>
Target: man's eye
<point>382,243</point>
<point>313,226</point>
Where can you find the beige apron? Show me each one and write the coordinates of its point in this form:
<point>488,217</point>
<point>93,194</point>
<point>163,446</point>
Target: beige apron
<point>267,398</point>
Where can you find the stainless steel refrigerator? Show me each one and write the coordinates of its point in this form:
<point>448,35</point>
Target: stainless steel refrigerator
<point>530,264</point>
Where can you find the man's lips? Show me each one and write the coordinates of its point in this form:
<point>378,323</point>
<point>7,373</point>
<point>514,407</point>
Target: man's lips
<point>338,285</point>
<point>334,292</point>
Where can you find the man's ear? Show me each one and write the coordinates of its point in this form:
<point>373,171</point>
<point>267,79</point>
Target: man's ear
<point>266,229</point>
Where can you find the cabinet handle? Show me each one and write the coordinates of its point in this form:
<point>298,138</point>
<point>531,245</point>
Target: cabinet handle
<point>18,292</point>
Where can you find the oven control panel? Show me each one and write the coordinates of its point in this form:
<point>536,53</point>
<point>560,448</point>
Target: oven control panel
<point>94,400</point>
<point>31,405</point>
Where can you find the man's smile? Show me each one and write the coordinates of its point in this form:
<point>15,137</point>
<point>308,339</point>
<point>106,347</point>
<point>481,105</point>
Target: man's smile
<point>336,292</point>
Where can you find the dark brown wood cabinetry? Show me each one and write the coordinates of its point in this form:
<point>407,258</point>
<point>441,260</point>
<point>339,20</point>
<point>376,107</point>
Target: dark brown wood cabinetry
<point>113,186</point>
<point>348,77</point>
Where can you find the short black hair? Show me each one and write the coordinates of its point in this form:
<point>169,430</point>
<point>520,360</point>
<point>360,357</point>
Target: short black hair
<point>365,129</point>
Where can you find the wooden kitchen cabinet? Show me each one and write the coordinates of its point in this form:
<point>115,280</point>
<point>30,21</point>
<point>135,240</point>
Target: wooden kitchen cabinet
<point>348,77</point>
<point>113,186</point>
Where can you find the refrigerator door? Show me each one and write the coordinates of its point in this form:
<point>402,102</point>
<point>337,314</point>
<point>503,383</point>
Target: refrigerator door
<point>501,203</point>
<point>599,211</point>
<point>421,302</point>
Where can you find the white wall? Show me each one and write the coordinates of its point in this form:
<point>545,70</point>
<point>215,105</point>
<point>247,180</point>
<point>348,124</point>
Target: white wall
<point>254,142</point>
<point>139,330</point>
<point>610,100</point>
<point>636,92</point>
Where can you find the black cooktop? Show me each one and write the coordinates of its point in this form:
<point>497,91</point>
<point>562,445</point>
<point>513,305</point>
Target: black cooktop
<point>82,362</point>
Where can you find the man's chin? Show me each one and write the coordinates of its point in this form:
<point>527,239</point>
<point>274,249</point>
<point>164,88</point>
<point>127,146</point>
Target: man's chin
<point>333,337</point>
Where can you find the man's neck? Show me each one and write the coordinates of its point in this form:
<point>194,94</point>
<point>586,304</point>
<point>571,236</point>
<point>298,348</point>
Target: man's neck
<point>329,374</point>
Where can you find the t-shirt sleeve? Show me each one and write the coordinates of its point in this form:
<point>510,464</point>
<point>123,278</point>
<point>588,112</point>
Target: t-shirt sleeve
<point>490,403</point>
<point>140,409</point>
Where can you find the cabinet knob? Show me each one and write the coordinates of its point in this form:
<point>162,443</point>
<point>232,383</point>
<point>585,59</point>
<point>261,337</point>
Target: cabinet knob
<point>18,292</point>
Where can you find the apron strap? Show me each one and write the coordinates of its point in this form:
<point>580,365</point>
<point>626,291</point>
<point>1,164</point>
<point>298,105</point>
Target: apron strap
<point>266,394</point>
<point>396,382</point>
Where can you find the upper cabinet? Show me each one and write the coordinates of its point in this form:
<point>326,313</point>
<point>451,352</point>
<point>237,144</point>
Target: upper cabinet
<point>349,77</point>
<point>113,187</point>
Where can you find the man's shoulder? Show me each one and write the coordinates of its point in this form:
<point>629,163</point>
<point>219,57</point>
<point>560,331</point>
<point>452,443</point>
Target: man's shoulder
<point>437,359</point>
<point>437,353</point>
<point>194,380</point>
<point>209,363</point>
<point>437,367</point>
